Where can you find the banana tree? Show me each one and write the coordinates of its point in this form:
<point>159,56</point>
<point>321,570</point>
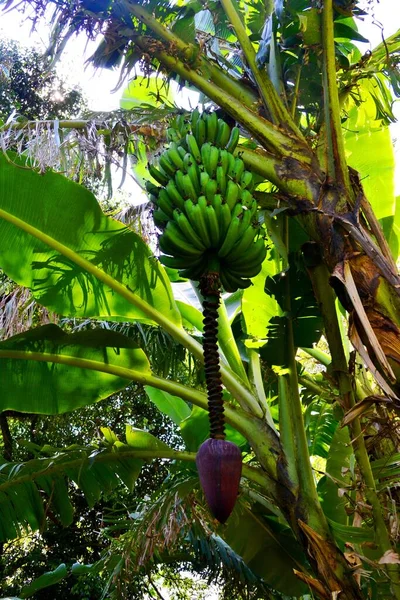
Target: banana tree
<point>304,97</point>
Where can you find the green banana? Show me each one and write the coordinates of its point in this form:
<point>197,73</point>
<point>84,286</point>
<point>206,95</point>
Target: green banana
<point>234,282</point>
<point>152,189</point>
<point>157,175</point>
<point>182,151</point>
<point>173,192</point>
<point>198,221</point>
<point>187,230</point>
<point>221,179</point>
<point>225,219</point>
<point>194,117</point>
<point>174,156</point>
<point>224,160</point>
<point>212,127</point>
<point>164,202</point>
<point>190,190</point>
<point>231,237</point>
<point>205,156</point>
<point>256,253</point>
<point>242,245</point>
<point>245,222</point>
<point>233,140</point>
<point>174,242</point>
<point>204,179</point>
<point>248,271</point>
<point>216,203</point>
<point>211,189</point>
<point>246,199</point>
<point>238,169</point>
<point>223,133</point>
<point>193,147</point>
<point>180,184</point>
<point>196,270</point>
<point>213,161</point>
<point>246,180</point>
<point>212,225</point>
<point>173,135</point>
<point>176,262</point>
<point>166,165</point>
<point>200,132</point>
<point>231,194</point>
<point>160,218</point>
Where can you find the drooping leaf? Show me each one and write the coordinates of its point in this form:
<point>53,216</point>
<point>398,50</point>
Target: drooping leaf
<point>55,240</point>
<point>176,408</point>
<point>45,580</point>
<point>78,372</point>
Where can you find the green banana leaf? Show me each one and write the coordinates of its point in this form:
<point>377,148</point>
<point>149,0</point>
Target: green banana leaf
<point>55,240</point>
<point>45,580</point>
<point>31,384</point>
<point>28,490</point>
<point>268,548</point>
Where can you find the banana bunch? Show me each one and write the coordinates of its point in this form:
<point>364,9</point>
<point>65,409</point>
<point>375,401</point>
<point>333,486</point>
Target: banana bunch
<point>204,203</point>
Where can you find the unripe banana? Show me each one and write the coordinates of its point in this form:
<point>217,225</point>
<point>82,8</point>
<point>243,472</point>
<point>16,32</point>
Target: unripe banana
<point>173,239</point>
<point>224,160</point>
<point>246,180</point>
<point>157,175</point>
<point>193,147</point>
<point>233,140</point>
<point>180,184</point>
<point>196,270</point>
<point>190,190</point>
<point>217,204</point>
<point>223,133</point>
<point>231,237</point>
<point>221,180</point>
<point>213,161</point>
<point>225,219</point>
<point>204,179</point>
<point>212,226</point>
<point>174,156</point>
<point>175,262</point>
<point>152,189</point>
<point>256,253</point>
<point>187,230</point>
<point>175,197</point>
<point>233,282</point>
<point>242,245</point>
<point>198,221</point>
<point>212,127</point>
<point>194,117</point>
<point>231,194</point>
<point>205,156</point>
<point>160,218</point>
<point>200,132</point>
<point>246,199</point>
<point>211,189</point>
<point>164,202</point>
<point>173,135</point>
<point>166,165</point>
<point>238,169</point>
<point>245,221</point>
<point>247,271</point>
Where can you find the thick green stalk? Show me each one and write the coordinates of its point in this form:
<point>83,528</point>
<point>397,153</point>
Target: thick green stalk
<point>320,356</point>
<point>339,368</point>
<point>272,102</point>
<point>271,137</point>
<point>292,428</point>
<point>193,53</point>
<point>228,345</point>
<point>257,381</point>
<point>297,179</point>
<point>336,167</point>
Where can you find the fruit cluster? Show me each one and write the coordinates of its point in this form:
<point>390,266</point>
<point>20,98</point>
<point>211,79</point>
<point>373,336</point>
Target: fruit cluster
<point>205,207</point>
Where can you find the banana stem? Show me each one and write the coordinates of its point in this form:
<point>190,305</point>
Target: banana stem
<point>273,104</point>
<point>210,289</point>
